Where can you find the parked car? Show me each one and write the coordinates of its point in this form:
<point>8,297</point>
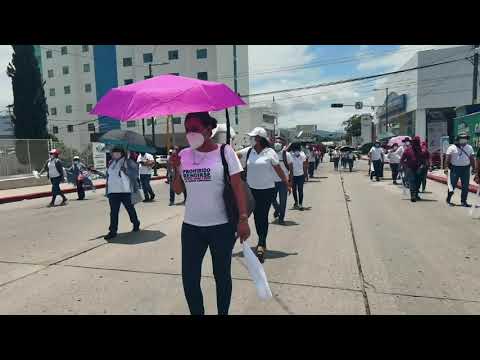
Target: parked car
<point>161,161</point>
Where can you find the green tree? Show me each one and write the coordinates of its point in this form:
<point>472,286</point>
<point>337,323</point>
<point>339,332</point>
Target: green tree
<point>29,103</point>
<point>352,127</point>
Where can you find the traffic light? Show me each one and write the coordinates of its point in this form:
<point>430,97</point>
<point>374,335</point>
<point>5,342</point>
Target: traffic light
<point>337,105</point>
<point>358,105</point>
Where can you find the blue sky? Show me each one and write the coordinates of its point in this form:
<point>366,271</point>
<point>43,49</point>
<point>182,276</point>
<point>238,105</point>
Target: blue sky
<point>315,64</point>
<point>322,64</point>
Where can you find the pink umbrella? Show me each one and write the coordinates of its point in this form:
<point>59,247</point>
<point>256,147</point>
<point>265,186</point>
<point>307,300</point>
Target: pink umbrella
<point>165,95</point>
<point>398,140</point>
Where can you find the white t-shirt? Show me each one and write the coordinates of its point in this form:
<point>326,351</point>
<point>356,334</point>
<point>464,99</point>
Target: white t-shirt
<point>116,183</point>
<point>298,162</point>
<point>394,157</point>
<point>282,165</point>
<point>459,157</point>
<point>52,169</point>
<point>202,174</point>
<point>145,170</point>
<point>260,172</point>
<point>376,153</point>
<point>311,156</point>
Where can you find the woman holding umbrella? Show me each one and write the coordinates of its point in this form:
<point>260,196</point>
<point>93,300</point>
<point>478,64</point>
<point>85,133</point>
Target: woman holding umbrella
<point>122,181</point>
<point>199,169</point>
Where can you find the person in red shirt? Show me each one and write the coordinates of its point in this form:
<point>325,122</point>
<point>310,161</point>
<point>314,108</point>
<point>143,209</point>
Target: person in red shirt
<point>426,156</point>
<point>414,161</point>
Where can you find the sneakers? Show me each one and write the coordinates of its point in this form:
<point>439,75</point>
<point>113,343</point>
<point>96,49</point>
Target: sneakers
<point>465,204</point>
<point>170,204</point>
<point>64,202</point>
<point>301,208</point>
<point>50,205</point>
<point>276,214</point>
<point>449,198</point>
<point>110,236</point>
<point>295,206</point>
<point>261,254</point>
<point>281,222</point>
<point>136,228</point>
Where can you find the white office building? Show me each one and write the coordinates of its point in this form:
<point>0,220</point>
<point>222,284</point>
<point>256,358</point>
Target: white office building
<point>77,76</point>
<point>424,101</point>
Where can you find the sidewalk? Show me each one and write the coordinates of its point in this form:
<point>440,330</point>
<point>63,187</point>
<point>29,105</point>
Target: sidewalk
<point>34,192</point>
<point>439,176</point>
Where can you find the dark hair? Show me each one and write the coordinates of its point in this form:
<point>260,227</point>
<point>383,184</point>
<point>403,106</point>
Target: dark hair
<point>204,117</point>
<point>119,149</point>
<point>264,142</point>
<point>295,146</point>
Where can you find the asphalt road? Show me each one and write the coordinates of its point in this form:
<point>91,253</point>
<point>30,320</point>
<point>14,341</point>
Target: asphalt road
<point>360,248</point>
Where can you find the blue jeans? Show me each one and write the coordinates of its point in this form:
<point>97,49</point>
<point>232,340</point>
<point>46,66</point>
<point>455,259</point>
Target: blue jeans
<point>414,180</point>
<point>146,187</point>
<point>56,188</point>
<point>282,191</point>
<point>298,182</point>
<point>462,173</point>
<point>195,241</point>
<point>115,199</point>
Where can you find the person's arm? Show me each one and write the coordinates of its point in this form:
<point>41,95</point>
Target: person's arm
<point>243,229</point>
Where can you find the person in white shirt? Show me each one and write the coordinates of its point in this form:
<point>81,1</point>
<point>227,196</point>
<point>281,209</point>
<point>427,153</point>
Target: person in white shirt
<point>394,159</point>
<point>280,189</point>
<point>335,155</point>
<point>200,170</point>
<point>54,169</point>
<point>300,168</point>
<point>376,156</point>
<point>460,157</point>
<point>146,163</point>
<point>262,164</point>
<point>171,176</point>
<point>122,181</point>
<point>311,161</point>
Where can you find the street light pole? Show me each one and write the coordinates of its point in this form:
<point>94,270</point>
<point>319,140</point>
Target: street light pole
<point>475,75</point>
<point>235,85</point>
<point>155,172</point>
<point>386,110</point>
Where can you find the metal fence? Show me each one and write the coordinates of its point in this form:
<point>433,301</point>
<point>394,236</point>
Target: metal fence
<point>21,156</point>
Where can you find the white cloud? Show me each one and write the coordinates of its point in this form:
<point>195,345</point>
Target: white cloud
<point>6,95</point>
<point>266,57</point>
<point>395,59</point>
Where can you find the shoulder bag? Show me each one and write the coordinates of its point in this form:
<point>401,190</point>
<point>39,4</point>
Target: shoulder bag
<point>229,196</point>
<point>243,175</point>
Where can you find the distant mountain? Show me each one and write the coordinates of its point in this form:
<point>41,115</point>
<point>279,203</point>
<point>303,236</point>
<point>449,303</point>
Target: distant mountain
<point>333,134</point>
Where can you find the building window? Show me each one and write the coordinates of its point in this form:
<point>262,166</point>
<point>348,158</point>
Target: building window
<point>201,53</point>
<point>91,127</point>
<point>55,129</point>
<point>131,124</point>
<point>202,76</point>
<point>49,54</point>
<point>173,55</point>
<point>89,107</point>
<point>86,67</point>
<point>128,81</point>
<point>65,70</point>
<point>66,90</point>
<point>53,111</point>
<point>70,128</point>
<point>84,48</point>
<point>64,50</point>
<point>176,74</point>
<point>68,109</point>
<point>50,73</point>
<point>51,92</point>
<point>147,58</point>
<point>88,88</point>
<point>127,62</point>
<point>177,120</point>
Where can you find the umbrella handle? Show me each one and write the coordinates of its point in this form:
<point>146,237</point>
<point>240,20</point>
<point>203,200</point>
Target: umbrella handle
<point>228,126</point>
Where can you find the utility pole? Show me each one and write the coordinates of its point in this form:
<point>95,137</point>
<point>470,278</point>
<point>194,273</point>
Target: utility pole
<point>274,120</point>
<point>475,75</point>
<point>143,127</point>
<point>235,84</point>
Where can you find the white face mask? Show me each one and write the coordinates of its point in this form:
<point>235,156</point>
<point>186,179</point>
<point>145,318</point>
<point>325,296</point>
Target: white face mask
<point>278,147</point>
<point>195,140</point>
<point>463,141</point>
<point>116,155</point>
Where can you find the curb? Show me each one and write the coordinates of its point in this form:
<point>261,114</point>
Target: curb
<point>14,198</point>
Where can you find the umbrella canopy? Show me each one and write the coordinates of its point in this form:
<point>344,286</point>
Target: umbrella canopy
<point>347,148</point>
<point>399,140</point>
<point>129,140</point>
<point>165,95</point>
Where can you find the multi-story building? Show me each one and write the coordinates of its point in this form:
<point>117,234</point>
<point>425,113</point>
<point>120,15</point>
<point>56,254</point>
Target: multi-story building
<point>6,127</point>
<point>424,101</point>
<point>77,76</point>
